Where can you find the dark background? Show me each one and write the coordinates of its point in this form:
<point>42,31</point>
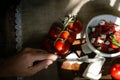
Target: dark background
<point>5,7</point>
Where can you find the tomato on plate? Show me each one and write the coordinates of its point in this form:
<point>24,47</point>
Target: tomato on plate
<point>115,71</point>
<point>62,46</point>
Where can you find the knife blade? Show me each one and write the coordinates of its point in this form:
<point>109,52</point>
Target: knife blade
<point>82,59</point>
<point>73,59</point>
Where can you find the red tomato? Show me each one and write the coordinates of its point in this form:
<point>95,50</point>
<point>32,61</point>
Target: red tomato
<point>115,71</point>
<point>76,26</point>
<point>112,28</point>
<point>65,35</point>
<point>92,35</point>
<point>114,46</point>
<point>71,26</point>
<point>99,29</point>
<point>104,47</point>
<point>54,31</point>
<point>62,47</point>
<point>47,45</point>
<point>71,37</point>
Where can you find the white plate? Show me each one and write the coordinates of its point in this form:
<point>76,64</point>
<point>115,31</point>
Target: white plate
<point>94,21</point>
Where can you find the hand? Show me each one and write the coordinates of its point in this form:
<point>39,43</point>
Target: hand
<point>27,63</point>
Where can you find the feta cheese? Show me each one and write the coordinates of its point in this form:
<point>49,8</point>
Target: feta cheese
<point>92,40</point>
<point>117,28</point>
<point>100,41</point>
<point>102,22</point>
<point>103,36</point>
<point>93,29</point>
<point>99,48</point>
<point>107,42</point>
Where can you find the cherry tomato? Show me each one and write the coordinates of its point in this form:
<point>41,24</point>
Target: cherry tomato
<point>71,26</point>
<point>104,47</point>
<point>76,26</point>
<point>65,34</point>
<point>54,31</point>
<point>112,28</point>
<point>47,44</point>
<point>115,71</point>
<point>71,37</point>
<point>92,35</point>
<point>61,46</point>
<point>99,29</point>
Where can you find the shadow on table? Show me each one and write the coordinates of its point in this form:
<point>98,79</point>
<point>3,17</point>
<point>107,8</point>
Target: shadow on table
<point>89,10</point>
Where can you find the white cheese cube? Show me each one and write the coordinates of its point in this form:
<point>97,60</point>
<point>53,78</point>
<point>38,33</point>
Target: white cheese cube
<point>93,40</point>
<point>103,36</point>
<point>100,41</point>
<point>102,22</point>
<point>93,70</point>
<point>107,42</point>
<point>99,48</point>
<point>117,28</point>
<point>93,29</point>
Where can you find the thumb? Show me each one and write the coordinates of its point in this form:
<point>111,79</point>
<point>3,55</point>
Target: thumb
<point>42,65</point>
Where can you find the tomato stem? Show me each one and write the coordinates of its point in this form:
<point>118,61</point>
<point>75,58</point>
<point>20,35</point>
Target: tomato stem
<point>67,21</point>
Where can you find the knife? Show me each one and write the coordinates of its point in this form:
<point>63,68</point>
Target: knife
<point>81,59</point>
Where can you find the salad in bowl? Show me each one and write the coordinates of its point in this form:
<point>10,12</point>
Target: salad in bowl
<point>103,35</point>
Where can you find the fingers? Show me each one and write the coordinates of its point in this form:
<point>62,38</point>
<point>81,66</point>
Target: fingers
<point>38,54</point>
<point>43,56</point>
<point>42,65</point>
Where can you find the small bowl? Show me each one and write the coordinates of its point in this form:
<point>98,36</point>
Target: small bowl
<point>93,22</point>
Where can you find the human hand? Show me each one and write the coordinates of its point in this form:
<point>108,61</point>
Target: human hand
<point>27,63</point>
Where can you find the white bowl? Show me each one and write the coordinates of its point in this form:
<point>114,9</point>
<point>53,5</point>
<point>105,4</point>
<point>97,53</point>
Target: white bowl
<point>94,21</point>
